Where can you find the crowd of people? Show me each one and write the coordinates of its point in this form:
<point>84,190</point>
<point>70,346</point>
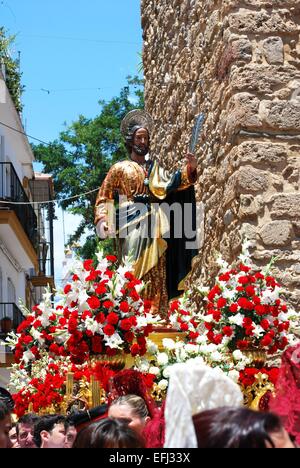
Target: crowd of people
<point>203,409</point>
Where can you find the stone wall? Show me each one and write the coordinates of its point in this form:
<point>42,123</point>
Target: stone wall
<point>239,62</point>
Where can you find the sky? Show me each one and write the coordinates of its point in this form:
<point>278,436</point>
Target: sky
<point>73,53</point>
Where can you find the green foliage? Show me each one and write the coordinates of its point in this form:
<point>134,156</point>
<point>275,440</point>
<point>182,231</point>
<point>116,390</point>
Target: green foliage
<point>13,75</point>
<point>80,159</point>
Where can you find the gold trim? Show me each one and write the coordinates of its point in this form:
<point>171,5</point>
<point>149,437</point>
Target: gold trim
<point>150,257</point>
<point>42,281</point>
<point>10,218</point>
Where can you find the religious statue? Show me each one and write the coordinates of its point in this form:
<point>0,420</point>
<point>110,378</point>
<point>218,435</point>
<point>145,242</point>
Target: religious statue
<point>145,228</point>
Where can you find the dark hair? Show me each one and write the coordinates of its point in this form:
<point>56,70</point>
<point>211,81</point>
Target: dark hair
<point>109,433</point>
<point>130,136</point>
<point>7,399</point>
<point>4,410</point>
<point>28,420</point>
<point>46,423</point>
<point>235,428</point>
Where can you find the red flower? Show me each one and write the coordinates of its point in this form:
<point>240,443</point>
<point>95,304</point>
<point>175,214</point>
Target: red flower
<point>108,304</point>
<point>100,318</point>
<point>129,336</point>
<point>265,324</point>
<point>75,278</point>
<point>266,341</point>
<point>101,289</point>
<point>124,307</point>
<point>225,277</point>
<point>67,289</point>
<point>244,268</point>
<point>244,280</point>
<point>184,327</point>
<point>112,258</point>
<point>88,265</point>
<point>97,345</point>
<point>112,318</point>
<point>125,324</point>
<point>94,302</point>
<point>109,330</point>
<point>228,331</point>
<point>247,322</point>
<point>234,308</point>
<point>250,291</point>
<point>222,302</point>
<point>242,345</point>
<point>135,350</point>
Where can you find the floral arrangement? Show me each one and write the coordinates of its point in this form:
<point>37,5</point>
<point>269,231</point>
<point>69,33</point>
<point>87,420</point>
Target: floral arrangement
<point>100,312</point>
<point>243,311</point>
<point>248,376</point>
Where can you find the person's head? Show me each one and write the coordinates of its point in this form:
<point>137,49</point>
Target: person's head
<point>138,141</point>
<point>50,432</point>
<point>132,408</point>
<point>25,431</point>
<point>70,435</point>
<point>14,437</point>
<point>240,428</point>
<point>108,433</point>
<point>5,426</point>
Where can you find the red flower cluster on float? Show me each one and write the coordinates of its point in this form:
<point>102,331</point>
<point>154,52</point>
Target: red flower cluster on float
<point>112,318</point>
<point>243,311</point>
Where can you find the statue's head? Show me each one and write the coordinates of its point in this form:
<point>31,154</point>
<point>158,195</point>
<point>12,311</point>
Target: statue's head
<point>136,128</point>
<point>138,141</point>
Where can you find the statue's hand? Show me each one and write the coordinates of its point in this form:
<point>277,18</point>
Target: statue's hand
<point>102,230</point>
<point>191,161</point>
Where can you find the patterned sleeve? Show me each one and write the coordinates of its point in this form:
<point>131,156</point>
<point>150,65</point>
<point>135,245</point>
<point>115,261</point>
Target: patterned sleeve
<point>188,177</point>
<point>105,198</point>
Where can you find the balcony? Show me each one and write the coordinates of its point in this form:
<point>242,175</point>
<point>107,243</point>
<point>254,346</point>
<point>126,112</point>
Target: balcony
<point>11,190</point>
<point>10,318</point>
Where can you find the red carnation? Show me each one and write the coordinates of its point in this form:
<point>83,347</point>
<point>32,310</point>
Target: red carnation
<point>135,350</point>
<point>265,324</point>
<point>234,308</point>
<point>124,307</point>
<point>222,302</point>
<point>111,258</point>
<point>97,345</point>
<point>125,325</point>
<point>101,289</point>
<point>67,289</point>
<point>112,318</point>
<point>242,345</point>
<point>228,331</point>
<point>100,318</point>
<point>129,336</point>
<point>108,304</point>
<point>109,330</point>
<point>250,291</point>
<point>266,341</point>
<point>88,265</point>
<point>184,327</point>
<point>94,302</point>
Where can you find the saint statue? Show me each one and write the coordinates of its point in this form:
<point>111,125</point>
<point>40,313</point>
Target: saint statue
<point>145,227</point>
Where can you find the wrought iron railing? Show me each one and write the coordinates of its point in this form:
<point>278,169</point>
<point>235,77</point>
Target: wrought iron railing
<point>10,317</point>
<point>11,190</point>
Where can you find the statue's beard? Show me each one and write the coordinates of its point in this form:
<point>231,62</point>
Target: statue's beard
<point>141,150</point>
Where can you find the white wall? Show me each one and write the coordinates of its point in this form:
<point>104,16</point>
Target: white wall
<point>18,279</point>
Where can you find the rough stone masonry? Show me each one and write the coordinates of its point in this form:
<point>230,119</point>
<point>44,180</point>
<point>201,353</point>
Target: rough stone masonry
<point>239,62</point>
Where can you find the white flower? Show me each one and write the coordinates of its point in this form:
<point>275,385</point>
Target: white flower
<point>37,336</point>
<point>169,344</point>
<point>234,375</point>
<point>258,331</point>
<point>28,356</point>
<point>152,348</point>
<point>92,326</point>
<point>201,339</point>
<point>154,370</point>
<point>237,319</point>
<point>216,356</point>
<point>162,359</point>
<point>167,372</point>
<point>141,322</point>
<point>163,385</point>
<point>191,348</point>
<point>269,297</point>
<point>114,341</point>
<point>238,355</point>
